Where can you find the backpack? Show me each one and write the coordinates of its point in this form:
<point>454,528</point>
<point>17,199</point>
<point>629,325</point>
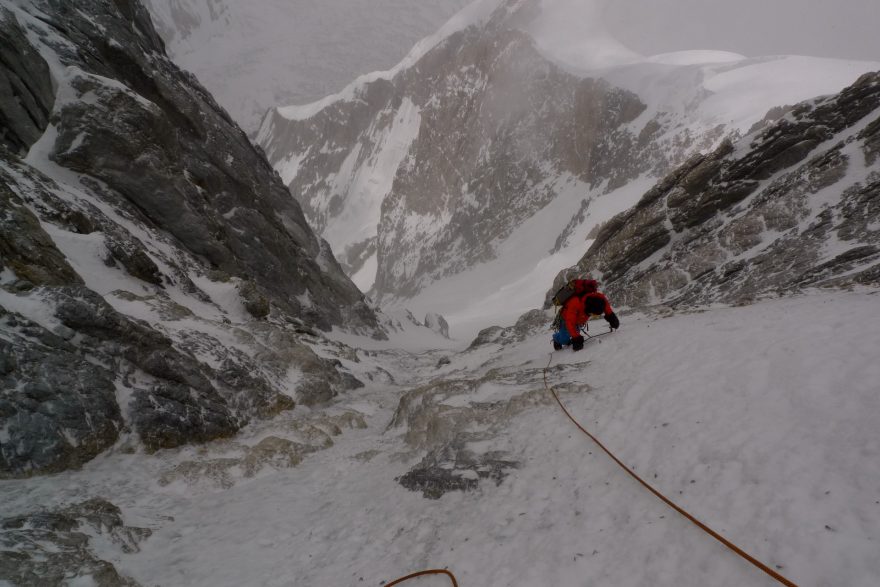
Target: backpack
<point>575,287</point>
<point>564,294</point>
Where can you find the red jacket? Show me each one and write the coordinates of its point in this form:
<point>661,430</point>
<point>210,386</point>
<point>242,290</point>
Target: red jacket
<point>574,310</point>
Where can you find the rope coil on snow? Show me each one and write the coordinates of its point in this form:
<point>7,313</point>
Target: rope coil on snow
<point>422,573</point>
<point>740,552</point>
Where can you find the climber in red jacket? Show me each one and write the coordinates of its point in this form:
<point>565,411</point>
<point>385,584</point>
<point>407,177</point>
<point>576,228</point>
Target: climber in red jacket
<point>587,302</point>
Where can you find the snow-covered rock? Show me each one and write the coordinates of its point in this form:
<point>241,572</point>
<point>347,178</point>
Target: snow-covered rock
<point>119,337</point>
<point>794,205</point>
<point>437,323</point>
<point>721,408</point>
<point>59,546</point>
<point>157,279</point>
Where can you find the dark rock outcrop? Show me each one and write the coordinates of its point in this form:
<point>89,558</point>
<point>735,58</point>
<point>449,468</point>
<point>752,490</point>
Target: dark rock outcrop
<point>52,548</point>
<point>793,205</point>
<point>26,93</point>
<point>454,468</point>
<point>165,153</point>
<point>25,248</point>
<point>57,409</point>
<point>141,238</point>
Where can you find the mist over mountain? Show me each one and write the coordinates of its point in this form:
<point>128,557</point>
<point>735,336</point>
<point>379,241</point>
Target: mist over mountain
<point>255,55</point>
<point>336,368</point>
<point>781,27</point>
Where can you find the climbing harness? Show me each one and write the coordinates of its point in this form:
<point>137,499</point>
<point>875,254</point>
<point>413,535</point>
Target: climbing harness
<point>422,573</point>
<point>662,497</point>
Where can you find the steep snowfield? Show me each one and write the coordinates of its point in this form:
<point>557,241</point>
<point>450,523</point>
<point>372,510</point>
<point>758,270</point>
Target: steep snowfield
<point>761,420</point>
<point>255,55</point>
<point>517,280</point>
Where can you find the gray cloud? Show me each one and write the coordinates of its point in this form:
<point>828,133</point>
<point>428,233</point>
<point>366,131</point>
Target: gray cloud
<point>846,29</point>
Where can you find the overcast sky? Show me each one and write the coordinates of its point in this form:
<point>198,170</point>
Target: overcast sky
<point>848,29</point>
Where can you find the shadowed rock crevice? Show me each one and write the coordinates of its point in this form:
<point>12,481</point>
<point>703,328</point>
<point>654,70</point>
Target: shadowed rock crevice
<point>26,92</point>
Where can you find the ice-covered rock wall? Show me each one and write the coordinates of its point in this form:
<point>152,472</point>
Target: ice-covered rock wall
<point>156,277</point>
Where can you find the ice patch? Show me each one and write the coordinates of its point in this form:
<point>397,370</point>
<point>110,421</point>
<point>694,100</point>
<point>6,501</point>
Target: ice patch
<point>288,168</point>
<point>7,276</point>
<point>366,275</point>
<point>365,184</point>
<point>32,307</point>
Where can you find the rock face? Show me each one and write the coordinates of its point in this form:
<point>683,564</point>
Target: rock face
<point>26,96</point>
<point>437,323</point>
<point>272,452</point>
<point>156,276</point>
<point>197,176</point>
<point>434,167</point>
<point>52,548</point>
<point>59,409</point>
<point>794,205</point>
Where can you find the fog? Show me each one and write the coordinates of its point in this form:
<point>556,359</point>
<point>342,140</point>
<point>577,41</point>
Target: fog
<point>846,29</point>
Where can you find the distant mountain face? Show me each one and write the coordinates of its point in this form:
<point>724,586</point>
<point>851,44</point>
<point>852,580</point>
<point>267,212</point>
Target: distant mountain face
<point>255,55</point>
<point>431,170</point>
<point>792,206</point>
<point>418,176</point>
<point>428,170</point>
<point>155,272</point>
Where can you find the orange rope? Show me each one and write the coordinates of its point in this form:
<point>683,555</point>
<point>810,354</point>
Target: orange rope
<point>665,499</point>
<point>421,573</point>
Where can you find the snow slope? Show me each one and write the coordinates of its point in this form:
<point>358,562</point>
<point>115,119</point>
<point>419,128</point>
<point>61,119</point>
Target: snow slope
<point>760,420</point>
<point>498,291</point>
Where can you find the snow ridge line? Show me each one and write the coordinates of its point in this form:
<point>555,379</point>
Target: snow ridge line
<point>730,545</point>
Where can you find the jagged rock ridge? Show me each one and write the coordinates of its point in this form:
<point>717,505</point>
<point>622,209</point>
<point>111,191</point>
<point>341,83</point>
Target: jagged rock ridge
<point>794,205</point>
